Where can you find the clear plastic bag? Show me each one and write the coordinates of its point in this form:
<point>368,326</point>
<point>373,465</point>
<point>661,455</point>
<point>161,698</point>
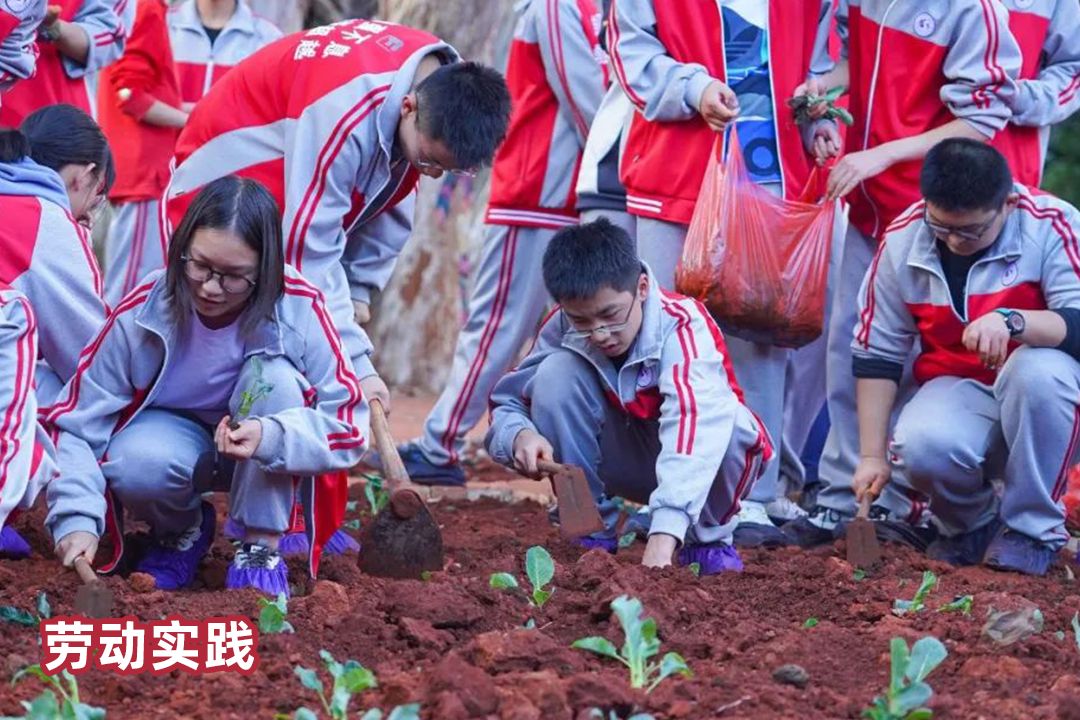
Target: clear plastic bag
<point>760,263</point>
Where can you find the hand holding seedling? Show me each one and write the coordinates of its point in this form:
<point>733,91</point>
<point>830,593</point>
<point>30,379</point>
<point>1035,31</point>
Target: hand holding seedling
<point>718,105</point>
<point>530,447</point>
<point>989,337</point>
<point>238,443</point>
<point>871,474</point>
<point>75,544</point>
<point>659,550</point>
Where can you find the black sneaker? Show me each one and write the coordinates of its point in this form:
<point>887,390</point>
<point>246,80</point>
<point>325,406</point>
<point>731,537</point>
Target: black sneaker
<point>900,532</point>
<point>819,528</point>
<point>1017,552</point>
<point>966,548</point>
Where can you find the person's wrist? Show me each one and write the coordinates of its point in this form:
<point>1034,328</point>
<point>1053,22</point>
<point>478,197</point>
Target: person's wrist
<point>50,32</point>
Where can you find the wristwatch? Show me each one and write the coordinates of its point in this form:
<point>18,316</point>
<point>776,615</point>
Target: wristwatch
<point>1014,321</point>
<point>50,33</point>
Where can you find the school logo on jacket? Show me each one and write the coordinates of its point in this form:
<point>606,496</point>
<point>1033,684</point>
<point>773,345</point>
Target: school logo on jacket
<point>925,24</point>
<point>646,376</point>
<point>16,6</point>
<point>1023,4</point>
<point>1009,274</point>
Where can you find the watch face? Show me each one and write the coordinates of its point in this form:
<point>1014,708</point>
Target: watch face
<point>1015,323</point>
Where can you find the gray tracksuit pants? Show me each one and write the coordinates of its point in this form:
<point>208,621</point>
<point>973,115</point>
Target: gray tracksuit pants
<point>618,452</point>
<point>956,433</point>
<point>133,247</point>
<point>150,462</point>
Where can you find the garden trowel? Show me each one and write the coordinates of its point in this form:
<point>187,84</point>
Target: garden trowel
<point>578,515</point>
<point>93,599</point>
<point>863,548</point>
<point>403,540</point>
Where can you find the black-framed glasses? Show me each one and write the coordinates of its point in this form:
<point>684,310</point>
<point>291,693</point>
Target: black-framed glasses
<point>603,330</point>
<point>971,233</point>
<point>201,273</point>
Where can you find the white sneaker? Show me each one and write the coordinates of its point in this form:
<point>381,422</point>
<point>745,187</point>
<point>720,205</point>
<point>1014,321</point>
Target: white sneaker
<point>782,508</point>
<point>753,512</point>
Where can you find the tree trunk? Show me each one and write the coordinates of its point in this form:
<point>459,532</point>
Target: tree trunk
<point>416,320</point>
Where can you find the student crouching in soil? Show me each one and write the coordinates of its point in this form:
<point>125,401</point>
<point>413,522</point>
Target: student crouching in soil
<point>159,386</point>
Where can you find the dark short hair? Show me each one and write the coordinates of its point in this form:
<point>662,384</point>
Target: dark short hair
<point>583,259</point>
<point>244,207</point>
<point>959,174</point>
<point>466,107</point>
<point>59,135</point>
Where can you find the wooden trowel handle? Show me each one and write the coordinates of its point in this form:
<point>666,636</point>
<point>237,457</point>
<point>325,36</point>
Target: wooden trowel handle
<point>549,468</point>
<point>86,573</point>
<point>393,468</point>
<point>864,506</point>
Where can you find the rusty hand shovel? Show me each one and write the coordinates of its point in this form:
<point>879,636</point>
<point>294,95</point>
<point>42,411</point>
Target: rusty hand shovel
<point>578,515</point>
<point>403,540</point>
<point>93,599</point>
<point>863,548</point>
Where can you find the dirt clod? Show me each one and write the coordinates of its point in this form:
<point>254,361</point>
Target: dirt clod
<point>791,675</point>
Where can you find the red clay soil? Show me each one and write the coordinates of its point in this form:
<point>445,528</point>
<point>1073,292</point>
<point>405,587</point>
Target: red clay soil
<point>459,647</point>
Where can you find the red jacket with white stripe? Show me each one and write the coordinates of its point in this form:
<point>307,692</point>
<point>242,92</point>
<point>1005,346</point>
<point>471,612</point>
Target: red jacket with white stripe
<point>557,75</point>
<point>1033,265</point>
<point>678,372</point>
<point>118,377</point>
<point>314,118</point>
<point>27,457</point>
<point>126,91</point>
<point>18,47</point>
<point>664,53</point>
<point>61,80</point>
<point>1048,91</point>
<point>916,66</point>
<point>200,63</point>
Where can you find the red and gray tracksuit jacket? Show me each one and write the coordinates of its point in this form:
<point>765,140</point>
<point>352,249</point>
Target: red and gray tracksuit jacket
<point>678,372</point>
<point>200,63</point>
<point>49,257</point>
<point>118,376</point>
<point>314,118</point>
<point>58,79</point>
<point>1033,265</point>
<point>126,91</point>
<point>18,33</point>
<point>1048,88</point>
<point>27,457</point>
<point>664,53</point>
<point>557,75</point>
<point>916,66</point>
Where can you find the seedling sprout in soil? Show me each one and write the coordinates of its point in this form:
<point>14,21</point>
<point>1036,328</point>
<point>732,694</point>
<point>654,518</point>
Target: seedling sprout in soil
<point>695,569</point>
<point>12,614</point>
<point>47,706</point>
<point>810,623</point>
<point>640,644</point>
<point>1076,629</point>
<point>350,678</point>
<point>961,604</point>
<point>258,389</point>
<point>917,603</point>
<point>540,569</point>
<point>907,694</point>
<point>375,494</point>
<point>272,615</point>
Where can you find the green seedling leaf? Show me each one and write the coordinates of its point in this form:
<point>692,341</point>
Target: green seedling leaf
<point>11,614</point>
<point>1076,629</point>
<point>405,712</point>
<point>425,575</point>
<point>1060,635</point>
<point>627,539</point>
<point>258,389</point>
<point>44,610</point>
<point>333,666</point>
<point>539,597</point>
<point>373,714</point>
<point>376,496</point>
<point>926,654</point>
<point>695,569</point>
<point>352,505</point>
<point>272,615</point>
<point>917,603</point>
<point>962,604</point>
<point>540,569</point>
<point>810,623</point>
<point>44,707</point>
<point>671,664</point>
<point>309,678</point>
<point>911,699</point>
<point>503,581</point>
<point>357,678</point>
<point>352,524</point>
<point>907,694</point>
<point>530,624</point>
<point>598,645</point>
<point>305,714</point>
<point>858,575</point>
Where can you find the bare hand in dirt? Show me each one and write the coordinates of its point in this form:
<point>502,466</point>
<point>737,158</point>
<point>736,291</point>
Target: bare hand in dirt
<point>989,337</point>
<point>870,475</point>
<point>361,312</point>
<point>240,443</point>
<point>854,169</point>
<point>659,550</point>
<point>75,544</point>
<point>814,86</point>
<point>718,105</point>
<point>826,143</point>
<point>373,387</point>
<point>529,448</point>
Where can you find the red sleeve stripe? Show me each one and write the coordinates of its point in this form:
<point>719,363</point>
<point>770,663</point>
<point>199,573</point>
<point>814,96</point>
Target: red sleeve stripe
<point>555,41</point>
<point>88,252</point>
<point>25,354</point>
<point>870,301</point>
<point>990,57</point>
<point>613,50</point>
<point>294,250</point>
<point>135,299</point>
<point>343,373</point>
<point>1060,225</point>
<point>749,465</point>
<point>1063,474</point>
<point>688,411</point>
<point>915,212</point>
<point>1066,95</point>
<point>108,38</point>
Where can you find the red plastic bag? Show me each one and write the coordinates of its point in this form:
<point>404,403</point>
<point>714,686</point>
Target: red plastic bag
<point>759,263</point>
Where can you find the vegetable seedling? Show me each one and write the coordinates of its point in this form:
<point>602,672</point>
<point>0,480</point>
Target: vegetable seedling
<point>907,694</point>
<point>598,714</point>
<point>47,705</point>
<point>401,712</point>
<point>917,603</point>
<point>641,643</point>
<point>810,623</point>
<point>18,616</point>
<point>272,615</point>
<point>258,389</point>
<point>1076,629</point>
<point>695,569</point>
<point>375,494</point>
<point>540,569</point>
<point>858,575</point>
<point>802,104</point>
<point>627,539</point>
<point>349,677</point>
<point>961,604</point>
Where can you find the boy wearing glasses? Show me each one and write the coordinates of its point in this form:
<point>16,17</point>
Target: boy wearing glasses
<point>338,122</point>
<point>556,78</point>
<point>633,384</point>
<point>986,275</point>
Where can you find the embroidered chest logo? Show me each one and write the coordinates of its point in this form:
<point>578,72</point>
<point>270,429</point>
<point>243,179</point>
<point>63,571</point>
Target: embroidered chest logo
<point>1023,4</point>
<point>646,376</point>
<point>1009,274</point>
<point>925,24</point>
<point>16,6</point>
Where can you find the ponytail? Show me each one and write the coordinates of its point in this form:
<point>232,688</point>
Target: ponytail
<point>59,135</point>
<point>13,145</point>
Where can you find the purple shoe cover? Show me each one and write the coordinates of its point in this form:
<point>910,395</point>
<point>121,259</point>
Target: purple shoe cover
<point>258,567</point>
<point>608,545</point>
<point>296,543</point>
<point>173,565</point>
<point>12,544</point>
<point>713,558</point>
